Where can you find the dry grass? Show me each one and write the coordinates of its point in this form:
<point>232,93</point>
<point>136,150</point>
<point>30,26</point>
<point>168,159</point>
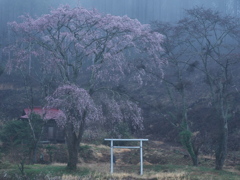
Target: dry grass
<point>129,176</point>
<point>59,164</point>
<point>94,146</point>
<point>69,177</point>
<point>100,171</point>
<point>102,168</point>
<point>173,166</point>
<point>153,175</point>
<point>97,167</point>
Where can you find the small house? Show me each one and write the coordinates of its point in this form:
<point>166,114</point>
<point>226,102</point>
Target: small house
<point>51,132</point>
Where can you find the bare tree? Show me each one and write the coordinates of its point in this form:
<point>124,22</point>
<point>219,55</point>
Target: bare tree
<point>178,82</point>
<point>209,41</point>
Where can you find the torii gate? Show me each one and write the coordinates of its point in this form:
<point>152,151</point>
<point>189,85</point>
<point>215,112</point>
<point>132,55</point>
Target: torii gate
<point>127,147</point>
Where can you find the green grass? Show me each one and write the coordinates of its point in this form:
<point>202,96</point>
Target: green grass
<point>5,165</point>
<point>192,173</point>
<point>54,170</point>
<point>174,167</point>
<point>39,171</point>
<point>196,173</point>
<point>150,171</point>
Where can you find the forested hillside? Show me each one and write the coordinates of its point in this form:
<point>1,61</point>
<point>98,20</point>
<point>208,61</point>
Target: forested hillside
<point>175,79</point>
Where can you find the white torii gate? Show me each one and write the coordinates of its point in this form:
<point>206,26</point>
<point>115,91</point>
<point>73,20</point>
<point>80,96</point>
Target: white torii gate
<point>127,147</point>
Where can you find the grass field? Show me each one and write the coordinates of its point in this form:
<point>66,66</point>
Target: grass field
<point>127,172</point>
<point>159,164</point>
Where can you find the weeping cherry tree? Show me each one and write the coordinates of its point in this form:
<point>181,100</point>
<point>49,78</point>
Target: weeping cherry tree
<point>88,52</point>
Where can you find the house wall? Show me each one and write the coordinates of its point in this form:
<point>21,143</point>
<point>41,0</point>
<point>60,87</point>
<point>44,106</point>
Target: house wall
<point>53,133</point>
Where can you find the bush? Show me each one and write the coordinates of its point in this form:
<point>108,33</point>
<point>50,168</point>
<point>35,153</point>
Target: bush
<point>121,131</point>
<point>61,154</point>
<point>14,133</point>
<point>5,165</point>
<point>86,152</point>
<point>51,149</point>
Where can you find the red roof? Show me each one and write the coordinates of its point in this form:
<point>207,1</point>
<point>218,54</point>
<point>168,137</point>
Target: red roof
<point>46,114</point>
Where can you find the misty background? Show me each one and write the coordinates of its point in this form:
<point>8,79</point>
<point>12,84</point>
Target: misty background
<point>146,11</point>
<point>153,97</point>
<point>143,10</point>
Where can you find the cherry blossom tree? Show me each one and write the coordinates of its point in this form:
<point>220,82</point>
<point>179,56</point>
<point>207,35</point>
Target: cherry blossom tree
<point>78,109</point>
<point>89,53</point>
<point>72,39</point>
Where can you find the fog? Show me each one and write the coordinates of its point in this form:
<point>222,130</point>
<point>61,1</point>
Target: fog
<point>202,52</point>
<point>146,11</point>
<point>162,10</point>
<point>143,10</point>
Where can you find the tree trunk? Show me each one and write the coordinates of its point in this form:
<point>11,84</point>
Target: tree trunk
<point>195,160</point>
<point>72,155</point>
<point>73,141</point>
<point>193,154</point>
<point>196,147</point>
<point>221,151</point>
<point>34,153</point>
<point>186,140</point>
<point>73,146</point>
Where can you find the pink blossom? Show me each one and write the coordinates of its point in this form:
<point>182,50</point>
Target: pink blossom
<point>76,104</point>
<point>70,42</point>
